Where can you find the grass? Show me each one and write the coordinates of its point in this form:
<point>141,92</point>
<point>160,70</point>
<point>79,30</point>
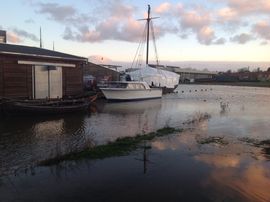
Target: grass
<point>197,118</point>
<point>215,140</point>
<point>120,147</point>
<point>263,144</point>
<point>256,142</point>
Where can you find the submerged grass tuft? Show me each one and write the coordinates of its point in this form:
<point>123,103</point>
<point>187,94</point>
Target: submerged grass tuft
<point>215,140</point>
<point>120,147</point>
<point>256,142</point>
<point>264,145</point>
<point>197,118</point>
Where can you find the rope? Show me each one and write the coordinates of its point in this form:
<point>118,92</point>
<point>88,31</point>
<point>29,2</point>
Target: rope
<point>137,57</point>
<point>154,42</point>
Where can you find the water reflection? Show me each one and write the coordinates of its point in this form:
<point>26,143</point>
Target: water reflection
<point>25,140</point>
<point>173,168</point>
<point>139,107</point>
<point>252,182</point>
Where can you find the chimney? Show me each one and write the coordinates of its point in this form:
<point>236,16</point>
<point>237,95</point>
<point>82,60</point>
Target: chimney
<point>3,36</point>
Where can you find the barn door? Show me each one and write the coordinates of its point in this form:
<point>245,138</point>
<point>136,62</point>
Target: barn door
<point>47,82</point>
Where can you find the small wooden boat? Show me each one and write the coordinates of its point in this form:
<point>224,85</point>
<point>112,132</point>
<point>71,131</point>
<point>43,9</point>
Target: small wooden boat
<point>46,107</point>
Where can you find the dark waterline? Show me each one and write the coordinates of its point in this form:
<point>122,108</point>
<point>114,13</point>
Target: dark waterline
<point>176,168</point>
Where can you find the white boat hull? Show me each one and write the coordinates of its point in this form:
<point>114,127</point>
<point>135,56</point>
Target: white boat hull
<point>116,94</point>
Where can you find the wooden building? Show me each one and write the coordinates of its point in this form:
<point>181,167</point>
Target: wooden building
<point>36,73</point>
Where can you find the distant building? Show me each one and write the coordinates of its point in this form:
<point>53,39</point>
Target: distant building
<point>244,76</point>
<point>101,73</point>
<point>189,74</point>
<point>3,36</point>
<point>36,73</point>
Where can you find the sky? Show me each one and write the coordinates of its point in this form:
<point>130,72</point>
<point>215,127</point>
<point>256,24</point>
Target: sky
<point>211,34</point>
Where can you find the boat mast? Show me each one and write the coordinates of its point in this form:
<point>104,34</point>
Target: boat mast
<point>147,40</point>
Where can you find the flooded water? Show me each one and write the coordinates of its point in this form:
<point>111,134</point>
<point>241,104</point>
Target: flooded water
<point>180,167</point>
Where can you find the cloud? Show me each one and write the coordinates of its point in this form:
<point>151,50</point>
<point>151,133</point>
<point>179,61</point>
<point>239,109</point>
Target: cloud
<point>116,20</point>
<point>198,21</point>
<point>263,43</point>
<point>15,35</point>
<point>242,38</point>
<point>56,11</point>
<point>13,38</point>
<point>220,41</point>
<point>248,6</point>
<point>99,59</point>
<point>25,34</point>
<point>206,35</point>
<point>228,13</point>
<point>262,29</point>
<point>194,20</point>
<point>29,21</point>
<point>163,8</point>
<point>236,11</point>
<point>66,14</point>
<point>231,16</point>
<point>119,23</point>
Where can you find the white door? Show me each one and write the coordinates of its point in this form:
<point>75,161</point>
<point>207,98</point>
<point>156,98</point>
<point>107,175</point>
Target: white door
<point>47,82</point>
<point>55,83</point>
<point>40,81</point>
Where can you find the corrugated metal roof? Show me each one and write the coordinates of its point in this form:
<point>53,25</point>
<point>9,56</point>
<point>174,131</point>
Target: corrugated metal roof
<point>36,52</point>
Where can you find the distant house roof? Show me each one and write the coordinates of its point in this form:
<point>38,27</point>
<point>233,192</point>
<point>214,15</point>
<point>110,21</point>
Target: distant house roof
<point>36,52</point>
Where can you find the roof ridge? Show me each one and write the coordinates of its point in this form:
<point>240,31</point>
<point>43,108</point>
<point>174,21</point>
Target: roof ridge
<point>36,51</point>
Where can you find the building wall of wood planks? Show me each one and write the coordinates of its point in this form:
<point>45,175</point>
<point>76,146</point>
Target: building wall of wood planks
<point>16,79</point>
<point>72,81</point>
<point>1,79</point>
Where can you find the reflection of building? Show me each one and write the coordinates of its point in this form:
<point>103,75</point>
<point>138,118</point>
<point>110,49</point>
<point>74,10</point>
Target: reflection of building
<point>34,73</point>
<point>3,36</point>
<point>244,76</point>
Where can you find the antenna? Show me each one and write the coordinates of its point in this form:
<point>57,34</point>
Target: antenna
<point>53,45</point>
<point>40,38</point>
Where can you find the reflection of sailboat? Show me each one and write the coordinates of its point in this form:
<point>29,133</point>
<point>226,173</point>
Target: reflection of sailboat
<point>145,158</point>
<point>131,108</point>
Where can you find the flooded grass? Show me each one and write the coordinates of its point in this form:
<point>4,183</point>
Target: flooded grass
<point>197,117</point>
<point>256,142</point>
<point>264,145</point>
<point>120,147</point>
<point>213,140</point>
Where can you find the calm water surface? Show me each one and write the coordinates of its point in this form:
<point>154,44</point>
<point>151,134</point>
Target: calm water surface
<point>176,168</point>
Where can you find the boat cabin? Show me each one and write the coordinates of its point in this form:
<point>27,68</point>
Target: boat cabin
<point>37,73</point>
<point>129,85</point>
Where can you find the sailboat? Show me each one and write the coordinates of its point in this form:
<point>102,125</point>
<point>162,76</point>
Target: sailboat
<point>153,75</point>
<point>133,90</point>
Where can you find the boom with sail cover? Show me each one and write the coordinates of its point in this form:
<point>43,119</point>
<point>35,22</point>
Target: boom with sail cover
<point>155,77</point>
